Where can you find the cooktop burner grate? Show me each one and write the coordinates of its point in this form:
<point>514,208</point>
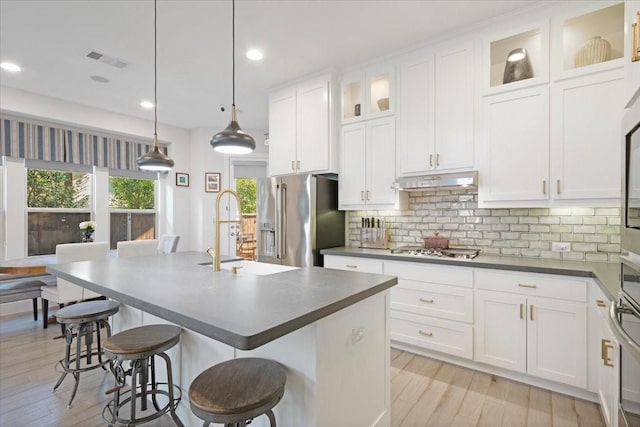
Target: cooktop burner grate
<point>460,253</point>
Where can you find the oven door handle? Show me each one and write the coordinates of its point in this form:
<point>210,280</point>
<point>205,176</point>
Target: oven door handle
<point>623,337</point>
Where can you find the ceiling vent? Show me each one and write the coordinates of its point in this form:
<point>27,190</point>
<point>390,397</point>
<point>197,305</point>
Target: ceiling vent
<point>106,59</point>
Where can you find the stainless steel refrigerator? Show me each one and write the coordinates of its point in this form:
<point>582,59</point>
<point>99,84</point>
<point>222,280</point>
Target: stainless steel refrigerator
<point>297,217</point>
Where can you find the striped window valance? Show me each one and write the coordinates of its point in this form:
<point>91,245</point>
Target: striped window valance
<point>38,141</point>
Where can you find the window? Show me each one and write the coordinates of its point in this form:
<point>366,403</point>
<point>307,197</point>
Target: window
<point>57,202</point>
<point>132,204</point>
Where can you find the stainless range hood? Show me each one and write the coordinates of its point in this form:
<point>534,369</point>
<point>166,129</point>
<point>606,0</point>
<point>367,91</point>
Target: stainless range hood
<point>425,182</point>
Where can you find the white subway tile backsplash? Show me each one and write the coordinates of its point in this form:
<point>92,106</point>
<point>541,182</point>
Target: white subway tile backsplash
<point>528,232</point>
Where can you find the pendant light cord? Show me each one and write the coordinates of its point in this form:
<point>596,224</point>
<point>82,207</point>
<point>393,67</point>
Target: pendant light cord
<point>155,69</point>
<point>233,50</point>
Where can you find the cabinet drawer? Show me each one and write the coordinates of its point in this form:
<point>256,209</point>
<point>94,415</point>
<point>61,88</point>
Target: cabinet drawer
<point>432,334</point>
<point>543,285</point>
<point>362,265</point>
<point>430,273</point>
<point>445,302</point>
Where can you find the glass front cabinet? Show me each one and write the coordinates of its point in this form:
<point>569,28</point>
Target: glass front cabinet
<point>368,94</point>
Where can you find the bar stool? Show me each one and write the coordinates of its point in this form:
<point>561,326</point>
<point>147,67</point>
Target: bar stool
<point>139,346</point>
<point>236,391</point>
<point>78,321</point>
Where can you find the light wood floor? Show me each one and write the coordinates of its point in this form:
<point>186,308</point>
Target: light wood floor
<point>424,392</point>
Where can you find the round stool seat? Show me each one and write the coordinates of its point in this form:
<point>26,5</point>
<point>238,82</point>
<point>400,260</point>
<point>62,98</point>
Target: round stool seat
<point>87,311</point>
<point>237,390</point>
<point>137,342</point>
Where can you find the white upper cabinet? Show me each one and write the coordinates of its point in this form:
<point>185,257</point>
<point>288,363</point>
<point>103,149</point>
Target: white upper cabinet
<point>632,45</point>
<point>588,40</point>
<point>515,154</point>
<point>417,117</point>
<point>368,94</point>
<point>436,111</point>
<point>368,166</point>
<point>301,129</point>
<point>585,137</point>
<point>516,58</point>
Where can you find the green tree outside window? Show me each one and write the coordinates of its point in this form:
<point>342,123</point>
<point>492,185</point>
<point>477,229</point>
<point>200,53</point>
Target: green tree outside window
<point>246,189</point>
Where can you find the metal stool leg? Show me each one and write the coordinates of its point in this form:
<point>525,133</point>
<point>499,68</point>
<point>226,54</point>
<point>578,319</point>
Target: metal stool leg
<point>272,418</point>
<point>134,386</point>
<point>172,402</point>
<point>68,337</point>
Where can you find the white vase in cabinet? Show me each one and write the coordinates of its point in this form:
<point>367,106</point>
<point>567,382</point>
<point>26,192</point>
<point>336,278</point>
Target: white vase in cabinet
<point>368,165</point>
<point>436,111</point>
<point>300,129</point>
<point>585,137</point>
<point>539,336</point>
<point>515,146</point>
<point>368,94</point>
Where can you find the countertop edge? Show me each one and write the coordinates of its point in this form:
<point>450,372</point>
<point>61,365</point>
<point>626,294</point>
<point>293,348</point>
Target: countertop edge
<point>497,263</point>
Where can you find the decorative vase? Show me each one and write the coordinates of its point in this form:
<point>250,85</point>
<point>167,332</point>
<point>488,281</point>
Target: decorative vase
<point>87,238</point>
<point>595,50</point>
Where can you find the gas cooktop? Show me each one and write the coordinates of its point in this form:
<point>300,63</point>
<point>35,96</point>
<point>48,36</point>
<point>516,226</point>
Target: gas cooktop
<point>459,253</point>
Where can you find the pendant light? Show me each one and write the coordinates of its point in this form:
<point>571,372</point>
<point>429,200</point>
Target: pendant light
<point>233,140</point>
<point>155,160</point>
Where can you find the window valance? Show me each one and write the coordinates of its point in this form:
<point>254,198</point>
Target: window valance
<point>40,141</point>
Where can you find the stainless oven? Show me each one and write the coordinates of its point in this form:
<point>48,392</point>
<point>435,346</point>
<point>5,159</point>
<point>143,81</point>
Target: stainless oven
<point>625,317</point>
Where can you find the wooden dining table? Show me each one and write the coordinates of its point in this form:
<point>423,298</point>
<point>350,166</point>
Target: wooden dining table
<point>32,265</point>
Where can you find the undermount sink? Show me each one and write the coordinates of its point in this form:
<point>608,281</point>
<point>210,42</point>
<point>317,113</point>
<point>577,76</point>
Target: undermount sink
<point>252,267</point>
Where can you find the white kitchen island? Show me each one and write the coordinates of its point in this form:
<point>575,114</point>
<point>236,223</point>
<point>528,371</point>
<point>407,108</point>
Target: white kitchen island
<point>328,328</point>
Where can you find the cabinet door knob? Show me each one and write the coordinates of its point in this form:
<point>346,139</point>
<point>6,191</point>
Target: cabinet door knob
<point>293,165</point>
<point>524,285</point>
<point>600,303</point>
<point>367,198</point>
<point>298,164</point>
<point>531,312</point>
<point>438,159</point>
<point>431,160</point>
<point>362,195</point>
<point>558,186</point>
<point>522,311</point>
<point>425,333</point>
<point>544,186</point>
<point>428,301</point>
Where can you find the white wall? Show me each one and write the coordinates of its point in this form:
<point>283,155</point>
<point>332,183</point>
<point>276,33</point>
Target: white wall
<point>202,206</point>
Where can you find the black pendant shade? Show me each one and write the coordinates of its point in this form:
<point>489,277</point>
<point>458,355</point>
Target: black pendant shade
<point>233,140</point>
<point>155,160</point>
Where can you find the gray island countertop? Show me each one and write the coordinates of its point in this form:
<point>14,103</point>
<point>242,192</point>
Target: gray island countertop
<point>242,310</point>
<point>606,274</point>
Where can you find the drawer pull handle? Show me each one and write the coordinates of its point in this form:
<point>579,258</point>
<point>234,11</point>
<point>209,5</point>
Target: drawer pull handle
<point>426,334</point>
<point>522,311</point>
<point>524,285</point>
<point>531,312</point>
<point>605,345</point>
<point>600,303</point>
<point>351,266</point>
<point>428,301</point>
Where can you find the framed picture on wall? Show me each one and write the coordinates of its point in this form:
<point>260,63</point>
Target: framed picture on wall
<point>212,182</point>
<point>182,179</point>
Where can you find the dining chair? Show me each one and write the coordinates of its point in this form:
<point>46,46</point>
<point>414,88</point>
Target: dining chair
<point>63,291</point>
<point>168,243</point>
<point>137,248</point>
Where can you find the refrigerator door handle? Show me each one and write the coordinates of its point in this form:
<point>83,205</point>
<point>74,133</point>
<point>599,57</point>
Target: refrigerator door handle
<point>283,221</point>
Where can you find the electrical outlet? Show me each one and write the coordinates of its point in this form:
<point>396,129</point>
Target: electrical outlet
<point>560,247</point>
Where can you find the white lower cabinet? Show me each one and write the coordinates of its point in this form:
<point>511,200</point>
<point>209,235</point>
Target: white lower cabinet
<point>432,307</point>
<point>526,328</point>
<point>363,265</point>
<point>608,371</point>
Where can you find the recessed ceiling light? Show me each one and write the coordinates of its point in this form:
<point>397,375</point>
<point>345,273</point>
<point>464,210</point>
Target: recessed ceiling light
<point>10,66</point>
<point>254,54</point>
<point>146,104</point>
<point>99,79</point>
